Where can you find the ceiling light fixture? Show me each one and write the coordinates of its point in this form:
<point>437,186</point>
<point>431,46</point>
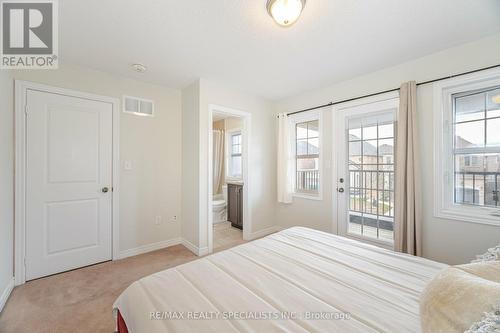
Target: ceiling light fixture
<point>139,68</point>
<point>285,12</point>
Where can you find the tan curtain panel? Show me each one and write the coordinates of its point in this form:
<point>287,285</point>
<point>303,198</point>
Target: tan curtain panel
<point>408,217</point>
<point>218,161</point>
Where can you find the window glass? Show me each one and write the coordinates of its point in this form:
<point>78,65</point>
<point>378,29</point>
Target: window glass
<point>470,134</point>
<point>235,158</point>
<point>477,148</point>
<point>307,157</point>
<point>470,107</point>
<point>386,131</point>
<point>302,131</point>
<point>493,103</point>
<point>236,165</point>
<point>493,132</point>
<point>371,177</point>
<point>369,132</point>
<point>312,129</point>
<point>313,146</point>
<point>354,134</point>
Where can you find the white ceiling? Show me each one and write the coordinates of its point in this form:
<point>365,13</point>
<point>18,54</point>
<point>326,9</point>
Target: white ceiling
<point>235,42</point>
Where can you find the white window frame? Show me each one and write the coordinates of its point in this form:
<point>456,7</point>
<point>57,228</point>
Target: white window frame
<point>444,205</point>
<point>294,120</point>
<point>229,135</point>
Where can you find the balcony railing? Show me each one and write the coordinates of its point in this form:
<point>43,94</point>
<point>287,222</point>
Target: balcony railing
<point>372,192</point>
<point>307,181</point>
<point>477,188</point>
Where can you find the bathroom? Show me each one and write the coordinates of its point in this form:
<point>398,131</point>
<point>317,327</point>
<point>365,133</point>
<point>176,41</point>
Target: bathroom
<point>227,167</point>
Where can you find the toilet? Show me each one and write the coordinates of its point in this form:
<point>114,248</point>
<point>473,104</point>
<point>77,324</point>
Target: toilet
<point>219,206</point>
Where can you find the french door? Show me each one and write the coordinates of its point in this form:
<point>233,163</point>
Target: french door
<point>365,171</point>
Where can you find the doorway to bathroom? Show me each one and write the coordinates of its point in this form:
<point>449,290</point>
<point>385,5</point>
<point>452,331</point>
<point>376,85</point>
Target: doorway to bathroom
<point>228,191</point>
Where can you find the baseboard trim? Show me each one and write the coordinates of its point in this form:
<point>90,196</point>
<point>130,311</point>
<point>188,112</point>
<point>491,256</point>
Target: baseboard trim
<point>6,293</point>
<point>263,232</point>
<point>203,251</point>
<point>254,235</point>
<point>195,249</point>
<point>149,248</point>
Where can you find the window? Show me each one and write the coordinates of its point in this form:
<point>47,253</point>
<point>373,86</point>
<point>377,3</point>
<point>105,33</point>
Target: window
<point>476,128</point>
<point>306,149</point>
<point>370,147</point>
<point>235,155</point>
<point>467,148</point>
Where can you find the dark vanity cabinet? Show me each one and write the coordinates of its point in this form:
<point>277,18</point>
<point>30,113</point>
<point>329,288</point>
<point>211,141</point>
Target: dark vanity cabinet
<point>235,205</point>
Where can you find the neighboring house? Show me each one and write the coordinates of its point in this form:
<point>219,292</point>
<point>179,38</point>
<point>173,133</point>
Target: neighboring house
<point>476,177</point>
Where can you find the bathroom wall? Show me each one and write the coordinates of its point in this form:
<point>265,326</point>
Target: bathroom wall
<point>232,123</point>
<point>219,124</point>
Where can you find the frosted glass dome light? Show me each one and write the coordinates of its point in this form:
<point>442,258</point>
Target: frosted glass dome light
<point>285,12</point>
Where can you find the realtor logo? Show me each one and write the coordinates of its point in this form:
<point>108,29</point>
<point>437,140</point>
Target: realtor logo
<point>29,34</point>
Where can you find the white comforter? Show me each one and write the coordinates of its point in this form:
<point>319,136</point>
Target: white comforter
<point>278,284</point>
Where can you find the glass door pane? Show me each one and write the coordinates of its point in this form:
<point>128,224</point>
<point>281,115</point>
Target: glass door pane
<point>365,171</point>
<point>371,177</point>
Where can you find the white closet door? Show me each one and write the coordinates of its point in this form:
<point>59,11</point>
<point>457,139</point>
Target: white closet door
<point>68,183</point>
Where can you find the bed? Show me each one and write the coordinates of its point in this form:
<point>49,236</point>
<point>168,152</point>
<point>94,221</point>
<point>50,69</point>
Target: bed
<point>296,280</point>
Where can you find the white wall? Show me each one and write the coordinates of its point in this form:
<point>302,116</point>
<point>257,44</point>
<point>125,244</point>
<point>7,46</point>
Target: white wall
<point>262,159</point>
<point>190,162</point>
<point>153,186</point>
<point>443,240</point>
<point>6,179</point>
<point>262,186</point>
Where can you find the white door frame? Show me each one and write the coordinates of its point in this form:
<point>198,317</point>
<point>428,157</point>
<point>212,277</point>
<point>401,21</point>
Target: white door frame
<point>21,91</point>
<point>338,137</point>
<point>246,132</point>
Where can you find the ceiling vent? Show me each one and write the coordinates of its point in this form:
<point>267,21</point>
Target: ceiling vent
<point>138,106</point>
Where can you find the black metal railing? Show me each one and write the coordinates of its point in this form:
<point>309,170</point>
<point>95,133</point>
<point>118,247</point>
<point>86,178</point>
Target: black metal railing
<point>372,192</point>
<point>307,181</point>
<point>477,188</point>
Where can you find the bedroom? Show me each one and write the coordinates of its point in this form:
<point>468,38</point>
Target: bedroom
<point>129,185</point>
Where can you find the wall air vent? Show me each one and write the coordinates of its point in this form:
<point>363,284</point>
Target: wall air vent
<point>138,106</point>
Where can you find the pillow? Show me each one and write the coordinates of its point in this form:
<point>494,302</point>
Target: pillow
<point>489,324</point>
<point>458,297</point>
<point>491,255</point>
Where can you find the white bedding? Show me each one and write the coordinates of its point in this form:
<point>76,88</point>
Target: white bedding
<point>298,273</point>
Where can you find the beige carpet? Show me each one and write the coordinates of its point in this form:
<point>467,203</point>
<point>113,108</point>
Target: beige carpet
<point>81,300</point>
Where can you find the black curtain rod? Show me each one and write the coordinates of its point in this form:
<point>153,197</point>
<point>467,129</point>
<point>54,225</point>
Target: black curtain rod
<point>391,90</point>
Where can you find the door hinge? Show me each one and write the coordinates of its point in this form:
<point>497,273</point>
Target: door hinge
<point>24,261</point>
<point>26,110</point>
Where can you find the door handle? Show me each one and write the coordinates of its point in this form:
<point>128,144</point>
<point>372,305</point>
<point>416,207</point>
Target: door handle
<point>105,190</point>
<point>341,189</point>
